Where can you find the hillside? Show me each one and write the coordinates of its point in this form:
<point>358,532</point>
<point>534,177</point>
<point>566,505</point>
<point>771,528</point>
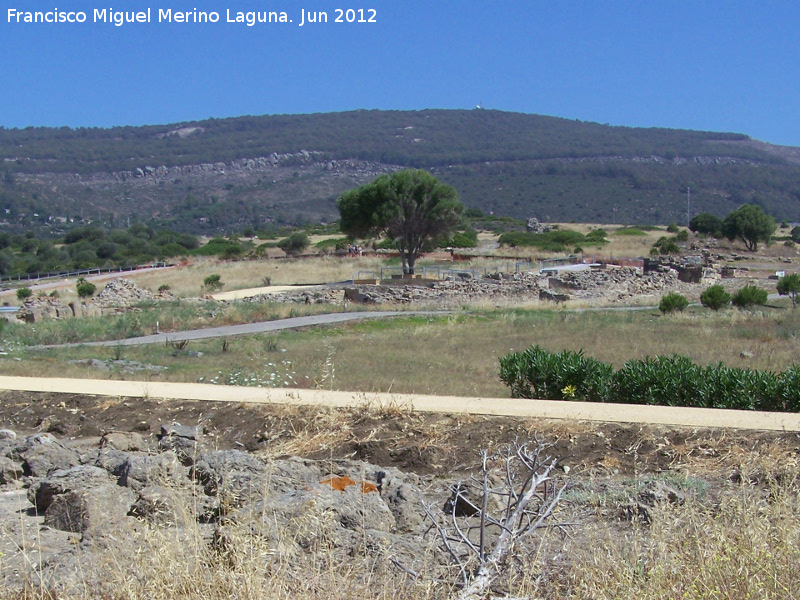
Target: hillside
<point>223,174</point>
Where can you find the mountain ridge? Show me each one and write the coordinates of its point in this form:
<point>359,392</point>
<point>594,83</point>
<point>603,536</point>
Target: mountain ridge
<point>218,175</point>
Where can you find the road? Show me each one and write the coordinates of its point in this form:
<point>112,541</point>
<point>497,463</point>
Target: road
<point>249,328</point>
<point>511,407</point>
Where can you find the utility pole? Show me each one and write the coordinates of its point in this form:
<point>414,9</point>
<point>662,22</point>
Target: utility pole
<point>688,204</point>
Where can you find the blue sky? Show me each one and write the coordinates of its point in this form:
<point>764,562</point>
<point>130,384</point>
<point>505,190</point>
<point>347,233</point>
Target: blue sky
<point>721,66</point>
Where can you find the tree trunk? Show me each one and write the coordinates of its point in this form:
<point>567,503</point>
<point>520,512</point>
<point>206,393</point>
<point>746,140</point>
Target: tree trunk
<point>411,260</point>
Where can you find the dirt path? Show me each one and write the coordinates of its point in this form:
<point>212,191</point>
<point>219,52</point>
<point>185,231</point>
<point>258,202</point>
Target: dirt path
<point>511,407</point>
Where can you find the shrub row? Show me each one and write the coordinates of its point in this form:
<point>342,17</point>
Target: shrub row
<point>661,380</point>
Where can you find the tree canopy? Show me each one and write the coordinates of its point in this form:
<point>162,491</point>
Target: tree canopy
<point>411,207</point>
<point>789,285</point>
<point>750,224</point>
<point>705,223</point>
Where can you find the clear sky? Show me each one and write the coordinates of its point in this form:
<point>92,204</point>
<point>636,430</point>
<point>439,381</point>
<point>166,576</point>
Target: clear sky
<point>720,66</point>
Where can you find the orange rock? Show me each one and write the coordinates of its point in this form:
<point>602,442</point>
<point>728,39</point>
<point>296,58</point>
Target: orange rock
<point>342,483</point>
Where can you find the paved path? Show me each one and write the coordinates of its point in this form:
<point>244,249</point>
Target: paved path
<point>249,328</point>
<point>544,409</point>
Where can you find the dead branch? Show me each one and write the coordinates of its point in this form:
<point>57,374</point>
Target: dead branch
<point>513,496</point>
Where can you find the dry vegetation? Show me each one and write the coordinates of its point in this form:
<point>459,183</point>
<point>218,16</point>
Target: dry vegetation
<point>449,355</point>
<point>736,536</point>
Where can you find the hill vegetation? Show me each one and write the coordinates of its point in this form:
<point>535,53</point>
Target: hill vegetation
<point>220,175</point>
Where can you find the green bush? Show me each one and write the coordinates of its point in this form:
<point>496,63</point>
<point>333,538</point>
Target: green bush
<point>464,239</point>
<point>666,245</point>
<point>673,302</point>
<point>213,282</point>
<point>332,244</point>
<point>706,224</point>
<point>715,297</point>
<point>660,380</point>
<point>672,228</point>
<point>295,243</point>
<point>219,246</point>
<point>749,295</point>
<point>796,234</point>
<point>23,293</point>
<point>536,373</point>
<point>85,288</point>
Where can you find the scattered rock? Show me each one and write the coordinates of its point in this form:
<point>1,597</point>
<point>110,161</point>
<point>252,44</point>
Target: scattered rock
<point>42,454</point>
<point>90,511</point>
<point>123,441</point>
<point>80,478</point>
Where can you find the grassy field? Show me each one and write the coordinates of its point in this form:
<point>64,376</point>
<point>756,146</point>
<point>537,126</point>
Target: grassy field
<point>449,355</point>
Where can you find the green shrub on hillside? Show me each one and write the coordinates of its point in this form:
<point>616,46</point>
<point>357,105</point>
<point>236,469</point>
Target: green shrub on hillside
<point>463,239</point>
<point>24,293</point>
<point>85,288</point>
<point>748,296</point>
<point>665,245</point>
<point>331,244</point>
<point>715,297</point>
<point>295,243</point>
<point>213,282</point>
<point>673,302</point>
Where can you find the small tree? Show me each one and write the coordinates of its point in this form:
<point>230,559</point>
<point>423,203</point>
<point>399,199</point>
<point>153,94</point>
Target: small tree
<point>715,297</point>
<point>673,302</point>
<point>750,224</point>
<point>23,293</point>
<point>706,224</point>
<point>789,285</point>
<point>213,282</point>
<point>295,243</point>
<point>85,288</point>
<point>749,295</point>
<point>796,234</point>
<point>411,207</point>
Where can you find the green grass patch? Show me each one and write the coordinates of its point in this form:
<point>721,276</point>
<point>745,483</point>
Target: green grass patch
<point>553,241</point>
<point>631,231</point>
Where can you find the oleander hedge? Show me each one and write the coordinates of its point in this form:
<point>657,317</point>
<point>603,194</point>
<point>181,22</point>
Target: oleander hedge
<point>660,380</point>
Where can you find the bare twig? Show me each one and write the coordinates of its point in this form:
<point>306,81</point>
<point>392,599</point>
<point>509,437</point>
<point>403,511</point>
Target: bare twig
<point>478,535</point>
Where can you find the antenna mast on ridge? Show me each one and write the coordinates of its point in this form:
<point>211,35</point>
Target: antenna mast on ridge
<point>688,202</point>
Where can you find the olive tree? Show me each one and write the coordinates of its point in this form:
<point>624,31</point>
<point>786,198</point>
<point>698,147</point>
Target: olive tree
<point>750,224</point>
<point>411,207</point>
<point>789,285</point>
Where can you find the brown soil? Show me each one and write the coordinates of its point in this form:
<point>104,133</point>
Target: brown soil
<point>427,444</point>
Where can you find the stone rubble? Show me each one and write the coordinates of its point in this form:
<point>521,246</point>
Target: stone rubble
<point>613,284</point>
<point>118,295</point>
<point>99,498</point>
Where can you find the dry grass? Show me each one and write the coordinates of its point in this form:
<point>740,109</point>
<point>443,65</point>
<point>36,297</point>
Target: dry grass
<point>187,281</point>
<point>455,355</point>
<point>744,546</point>
<point>744,542</point>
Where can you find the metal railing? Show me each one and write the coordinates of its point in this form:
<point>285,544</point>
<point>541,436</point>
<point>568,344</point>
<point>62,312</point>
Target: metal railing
<point>78,272</point>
